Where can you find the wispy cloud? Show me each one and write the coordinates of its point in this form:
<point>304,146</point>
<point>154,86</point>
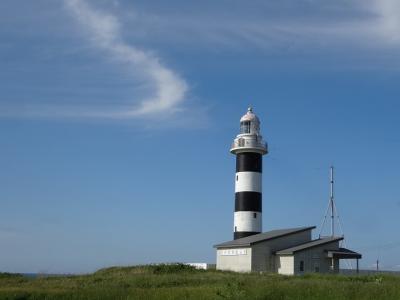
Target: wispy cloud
<point>361,33</point>
<point>288,26</point>
<point>105,33</point>
<point>388,12</point>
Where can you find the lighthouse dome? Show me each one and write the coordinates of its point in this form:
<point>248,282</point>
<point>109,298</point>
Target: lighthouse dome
<point>249,139</point>
<point>250,116</point>
<point>249,123</point>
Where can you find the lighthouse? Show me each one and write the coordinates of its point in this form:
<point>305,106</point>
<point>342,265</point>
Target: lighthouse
<point>287,251</point>
<point>249,147</point>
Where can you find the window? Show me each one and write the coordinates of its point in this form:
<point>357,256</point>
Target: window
<point>237,177</point>
<point>254,215</point>
<point>245,127</point>
<point>302,266</point>
<point>316,268</point>
<point>235,228</point>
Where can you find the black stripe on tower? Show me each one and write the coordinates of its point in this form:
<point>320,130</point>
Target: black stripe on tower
<point>248,201</point>
<point>249,162</point>
<point>242,234</point>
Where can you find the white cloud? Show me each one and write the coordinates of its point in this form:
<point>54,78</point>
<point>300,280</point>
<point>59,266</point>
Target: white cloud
<point>389,19</point>
<point>331,26</point>
<point>104,32</point>
<point>361,33</point>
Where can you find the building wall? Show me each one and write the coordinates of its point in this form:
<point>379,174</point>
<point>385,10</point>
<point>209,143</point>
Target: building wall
<point>316,257</point>
<point>234,259</point>
<point>285,265</point>
<point>262,252</point>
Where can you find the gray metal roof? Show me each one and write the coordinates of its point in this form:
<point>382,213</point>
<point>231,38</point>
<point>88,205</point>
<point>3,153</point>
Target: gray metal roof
<point>308,245</point>
<point>343,253</point>
<point>249,240</point>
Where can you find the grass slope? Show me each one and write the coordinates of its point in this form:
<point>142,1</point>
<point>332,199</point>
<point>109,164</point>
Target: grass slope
<point>183,282</point>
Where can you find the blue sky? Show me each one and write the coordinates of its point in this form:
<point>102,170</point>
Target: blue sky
<point>116,119</point>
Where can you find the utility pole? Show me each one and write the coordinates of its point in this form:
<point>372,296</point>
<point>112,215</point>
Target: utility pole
<point>332,206</point>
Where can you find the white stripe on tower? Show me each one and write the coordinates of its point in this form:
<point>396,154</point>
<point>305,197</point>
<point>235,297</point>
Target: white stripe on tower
<point>248,182</point>
<point>247,221</point>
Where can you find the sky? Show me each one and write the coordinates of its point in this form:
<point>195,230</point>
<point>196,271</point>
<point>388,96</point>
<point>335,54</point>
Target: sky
<point>116,119</point>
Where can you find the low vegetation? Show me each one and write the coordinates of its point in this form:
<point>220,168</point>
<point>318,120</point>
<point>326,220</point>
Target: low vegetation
<point>179,281</point>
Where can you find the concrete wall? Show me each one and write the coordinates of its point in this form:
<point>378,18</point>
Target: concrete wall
<point>262,252</point>
<point>285,265</point>
<point>316,258</point>
<point>235,260</point>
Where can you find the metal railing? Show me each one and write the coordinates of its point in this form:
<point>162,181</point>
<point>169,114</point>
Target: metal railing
<point>249,143</point>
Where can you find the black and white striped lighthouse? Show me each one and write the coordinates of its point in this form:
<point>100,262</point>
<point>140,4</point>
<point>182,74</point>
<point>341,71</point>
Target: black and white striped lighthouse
<point>249,147</point>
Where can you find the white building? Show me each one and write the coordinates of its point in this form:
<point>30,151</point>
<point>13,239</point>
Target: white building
<point>284,251</point>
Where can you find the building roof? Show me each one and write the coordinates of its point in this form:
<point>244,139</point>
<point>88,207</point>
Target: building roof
<point>269,235</point>
<point>308,245</point>
<point>344,253</point>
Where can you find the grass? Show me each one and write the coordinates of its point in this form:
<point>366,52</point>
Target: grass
<point>183,282</point>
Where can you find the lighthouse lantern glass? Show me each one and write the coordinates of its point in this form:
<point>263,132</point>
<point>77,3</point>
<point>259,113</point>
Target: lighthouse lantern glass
<point>245,127</point>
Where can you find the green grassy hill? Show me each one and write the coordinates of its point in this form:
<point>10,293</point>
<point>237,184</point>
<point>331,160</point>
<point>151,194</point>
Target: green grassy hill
<point>183,282</point>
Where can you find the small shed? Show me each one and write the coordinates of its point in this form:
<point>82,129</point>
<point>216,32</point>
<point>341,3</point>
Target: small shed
<point>320,255</point>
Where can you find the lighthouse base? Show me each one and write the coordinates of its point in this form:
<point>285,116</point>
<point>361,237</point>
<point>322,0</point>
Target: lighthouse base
<point>242,234</point>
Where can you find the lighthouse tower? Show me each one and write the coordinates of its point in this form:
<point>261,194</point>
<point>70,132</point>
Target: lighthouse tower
<point>249,147</point>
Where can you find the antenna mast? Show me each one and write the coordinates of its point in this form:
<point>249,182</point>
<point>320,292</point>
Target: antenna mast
<point>331,210</point>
